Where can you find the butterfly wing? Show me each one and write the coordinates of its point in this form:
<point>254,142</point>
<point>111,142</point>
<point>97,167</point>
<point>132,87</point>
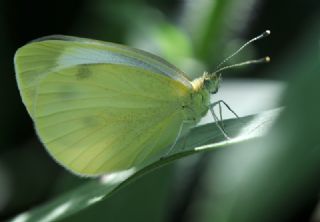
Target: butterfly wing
<point>103,118</point>
<point>53,53</point>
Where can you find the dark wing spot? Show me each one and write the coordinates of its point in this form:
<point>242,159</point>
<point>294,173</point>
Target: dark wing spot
<point>83,72</point>
<point>91,121</point>
<point>66,94</point>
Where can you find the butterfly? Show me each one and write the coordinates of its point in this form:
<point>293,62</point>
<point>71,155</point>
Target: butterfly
<point>100,107</point>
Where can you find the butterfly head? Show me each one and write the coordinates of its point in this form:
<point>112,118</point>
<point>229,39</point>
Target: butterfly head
<point>211,82</point>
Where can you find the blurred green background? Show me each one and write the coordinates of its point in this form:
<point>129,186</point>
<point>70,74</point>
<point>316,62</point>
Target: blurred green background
<point>276,178</point>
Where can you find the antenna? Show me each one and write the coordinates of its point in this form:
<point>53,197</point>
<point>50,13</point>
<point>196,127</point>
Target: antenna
<point>255,61</point>
<point>261,36</point>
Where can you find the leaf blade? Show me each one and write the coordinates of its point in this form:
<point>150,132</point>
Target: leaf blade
<point>201,139</point>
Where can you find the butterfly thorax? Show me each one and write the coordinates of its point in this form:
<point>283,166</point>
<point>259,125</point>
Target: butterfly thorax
<point>200,96</point>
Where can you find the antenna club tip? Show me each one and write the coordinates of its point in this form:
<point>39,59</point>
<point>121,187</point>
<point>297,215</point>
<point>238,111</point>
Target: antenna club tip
<point>266,33</point>
<point>267,59</point>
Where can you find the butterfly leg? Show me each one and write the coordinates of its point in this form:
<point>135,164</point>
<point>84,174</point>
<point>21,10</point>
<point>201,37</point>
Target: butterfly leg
<point>175,142</point>
<point>228,107</point>
<point>218,121</point>
<point>184,141</point>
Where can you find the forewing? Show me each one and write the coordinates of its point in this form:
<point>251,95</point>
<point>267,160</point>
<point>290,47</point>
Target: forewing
<point>53,53</point>
<point>104,118</point>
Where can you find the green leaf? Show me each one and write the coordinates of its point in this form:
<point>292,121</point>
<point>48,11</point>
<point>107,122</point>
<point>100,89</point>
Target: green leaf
<point>201,139</point>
